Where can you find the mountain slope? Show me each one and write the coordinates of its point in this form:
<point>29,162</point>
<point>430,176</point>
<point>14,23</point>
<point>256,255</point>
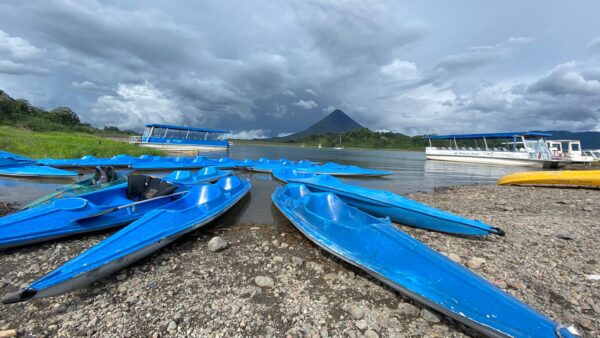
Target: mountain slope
<point>336,122</point>
<point>589,139</point>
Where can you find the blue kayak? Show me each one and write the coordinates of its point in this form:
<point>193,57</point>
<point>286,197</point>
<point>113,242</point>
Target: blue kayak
<point>329,168</point>
<point>35,171</point>
<point>400,209</point>
<point>208,174</point>
<point>177,163</point>
<point>286,174</point>
<point>156,229</point>
<point>69,216</point>
<point>409,266</point>
<point>10,160</point>
<point>90,161</point>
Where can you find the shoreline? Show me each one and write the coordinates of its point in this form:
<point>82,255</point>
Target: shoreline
<point>185,289</point>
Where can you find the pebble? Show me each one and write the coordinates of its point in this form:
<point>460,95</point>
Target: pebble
<point>475,262</point>
<point>264,281</point>
<point>565,236</point>
<point>408,309</point>
<point>362,324</point>
<point>429,316</point>
<point>172,326</point>
<point>217,244</point>
<point>455,257</point>
<point>358,312</point>
<point>371,334</point>
<point>297,261</point>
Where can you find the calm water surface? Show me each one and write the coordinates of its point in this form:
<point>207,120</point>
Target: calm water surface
<point>412,173</point>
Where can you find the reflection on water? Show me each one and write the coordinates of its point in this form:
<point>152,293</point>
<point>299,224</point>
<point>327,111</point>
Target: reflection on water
<point>412,173</point>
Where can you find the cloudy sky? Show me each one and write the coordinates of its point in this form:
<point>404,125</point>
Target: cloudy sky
<point>265,68</point>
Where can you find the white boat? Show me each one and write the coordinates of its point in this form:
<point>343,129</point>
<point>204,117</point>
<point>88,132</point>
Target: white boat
<point>593,153</point>
<point>513,148</point>
<point>570,150</point>
<point>179,138</point>
<point>339,146</point>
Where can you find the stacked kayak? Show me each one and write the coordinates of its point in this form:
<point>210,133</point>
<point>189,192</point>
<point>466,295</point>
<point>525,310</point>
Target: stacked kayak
<point>409,266</point>
<point>400,209</point>
<point>588,178</point>
<point>154,230</point>
<point>104,177</point>
<point>286,174</point>
<point>20,166</point>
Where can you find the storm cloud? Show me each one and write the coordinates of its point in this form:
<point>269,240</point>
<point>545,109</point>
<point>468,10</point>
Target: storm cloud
<point>267,68</point>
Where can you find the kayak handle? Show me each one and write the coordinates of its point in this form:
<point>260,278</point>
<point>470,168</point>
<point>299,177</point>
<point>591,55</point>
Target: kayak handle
<point>106,211</point>
<point>499,231</point>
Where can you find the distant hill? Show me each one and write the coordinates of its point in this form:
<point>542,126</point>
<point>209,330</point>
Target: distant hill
<point>589,139</point>
<point>336,122</point>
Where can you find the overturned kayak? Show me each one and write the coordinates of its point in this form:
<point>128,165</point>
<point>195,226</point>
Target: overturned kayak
<point>286,174</point>
<point>102,179</point>
<point>208,174</point>
<point>409,266</point>
<point>75,215</point>
<point>400,209</point>
<point>589,178</point>
<point>156,229</point>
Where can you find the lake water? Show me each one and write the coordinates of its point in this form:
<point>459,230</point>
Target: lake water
<point>412,173</point>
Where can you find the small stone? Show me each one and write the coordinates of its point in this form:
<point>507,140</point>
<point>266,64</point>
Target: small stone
<point>264,281</point>
<point>587,208</point>
<point>297,261</point>
<point>429,316</point>
<point>121,277</point>
<point>362,324</point>
<point>586,323</point>
<point>358,312</point>
<point>371,334</point>
<point>172,326</point>
<point>131,299</point>
<point>408,309</point>
<point>330,277</point>
<point>565,235</point>
<point>315,266</point>
<point>277,259</point>
<point>475,262</point>
<point>454,257</point>
<point>284,245</point>
<point>217,244</point>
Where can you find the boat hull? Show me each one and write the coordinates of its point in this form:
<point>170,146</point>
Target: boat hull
<point>496,161</point>
<point>182,147</point>
<point>198,207</point>
<point>409,266</point>
<point>588,178</point>
<point>400,209</point>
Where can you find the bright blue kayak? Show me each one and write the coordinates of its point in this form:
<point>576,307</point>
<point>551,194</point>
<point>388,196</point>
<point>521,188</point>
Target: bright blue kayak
<point>329,168</point>
<point>286,174</point>
<point>69,216</point>
<point>409,266</point>
<point>177,163</point>
<point>208,174</point>
<point>159,227</point>
<point>9,159</point>
<point>400,209</point>
<point>35,171</point>
<point>90,161</point>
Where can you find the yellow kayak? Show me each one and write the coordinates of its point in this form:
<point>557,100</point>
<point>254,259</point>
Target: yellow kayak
<point>566,177</point>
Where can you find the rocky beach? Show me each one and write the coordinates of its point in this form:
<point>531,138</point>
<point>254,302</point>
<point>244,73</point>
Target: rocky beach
<point>259,280</point>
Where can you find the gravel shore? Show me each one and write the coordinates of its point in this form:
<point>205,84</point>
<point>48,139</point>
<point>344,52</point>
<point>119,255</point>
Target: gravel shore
<point>271,281</point>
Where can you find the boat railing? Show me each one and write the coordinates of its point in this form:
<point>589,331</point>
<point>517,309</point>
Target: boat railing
<point>135,139</point>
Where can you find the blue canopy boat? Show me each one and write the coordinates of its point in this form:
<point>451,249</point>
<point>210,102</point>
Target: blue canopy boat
<point>400,209</point>
<point>179,138</point>
<point>409,266</point>
<point>156,229</point>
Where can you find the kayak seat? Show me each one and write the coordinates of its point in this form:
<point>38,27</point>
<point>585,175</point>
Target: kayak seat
<point>179,175</point>
<point>143,187</point>
<point>209,194</point>
<point>296,191</point>
<point>330,207</point>
<point>229,183</point>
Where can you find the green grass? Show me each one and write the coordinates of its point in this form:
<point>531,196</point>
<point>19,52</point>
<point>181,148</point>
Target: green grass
<point>64,144</point>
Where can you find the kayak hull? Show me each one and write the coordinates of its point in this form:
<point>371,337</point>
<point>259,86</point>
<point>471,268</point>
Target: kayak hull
<point>588,178</point>
<point>400,209</point>
<point>35,171</point>
<point>158,228</point>
<point>409,266</point>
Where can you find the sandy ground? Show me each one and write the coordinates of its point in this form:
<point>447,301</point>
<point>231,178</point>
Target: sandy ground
<point>271,281</point>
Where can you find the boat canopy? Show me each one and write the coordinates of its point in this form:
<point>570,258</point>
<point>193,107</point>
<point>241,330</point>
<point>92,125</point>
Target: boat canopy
<point>490,135</point>
<point>172,127</point>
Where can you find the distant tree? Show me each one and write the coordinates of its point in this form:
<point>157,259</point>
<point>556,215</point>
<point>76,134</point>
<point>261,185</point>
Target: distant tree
<point>64,115</point>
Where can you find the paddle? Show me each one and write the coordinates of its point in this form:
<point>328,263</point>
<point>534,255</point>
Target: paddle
<point>109,210</point>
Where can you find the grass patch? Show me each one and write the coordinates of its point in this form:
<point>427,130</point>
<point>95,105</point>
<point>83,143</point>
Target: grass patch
<point>64,144</point>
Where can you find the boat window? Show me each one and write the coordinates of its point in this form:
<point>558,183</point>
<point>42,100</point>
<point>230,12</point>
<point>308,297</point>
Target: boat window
<point>575,146</point>
<point>158,132</point>
<point>146,132</point>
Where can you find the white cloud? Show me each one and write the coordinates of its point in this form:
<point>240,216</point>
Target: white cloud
<point>249,134</point>
<point>16,48</point>
<point>310,92</point>
<point>289,93</point>
<point>283,134</point>
<point>134,105</point>
<point>567,78</point>
<point>594,44</point>
<point>310,104</point>
<point>401,70</point>
<point>18,68</point>
<point>329,109</point>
